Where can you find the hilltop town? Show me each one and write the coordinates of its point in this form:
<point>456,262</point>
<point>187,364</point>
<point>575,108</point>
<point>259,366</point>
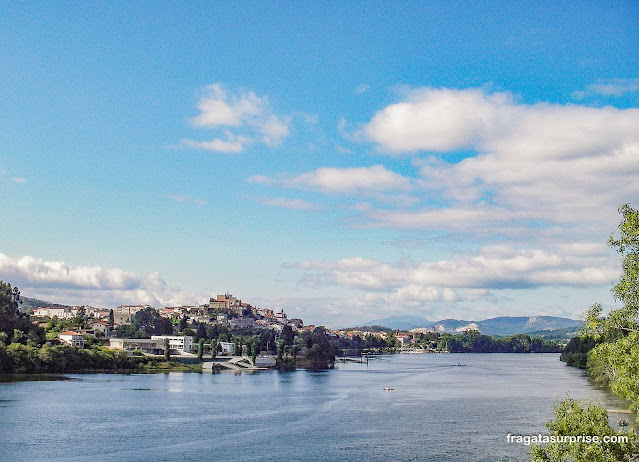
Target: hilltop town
<point>226,324</point>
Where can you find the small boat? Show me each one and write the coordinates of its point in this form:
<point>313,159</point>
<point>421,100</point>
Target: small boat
<point>388,389</point>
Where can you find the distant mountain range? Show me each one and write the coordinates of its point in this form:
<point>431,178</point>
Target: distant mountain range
<point>503,325</point>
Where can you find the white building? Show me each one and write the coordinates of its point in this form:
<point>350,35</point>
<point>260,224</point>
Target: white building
<point>228,348</point>
<point>177,342</point>
<point>145,345</point>
<point>130,309</point>
<point>71,338</point>
<point>100,327</point>
<point>59,312</point>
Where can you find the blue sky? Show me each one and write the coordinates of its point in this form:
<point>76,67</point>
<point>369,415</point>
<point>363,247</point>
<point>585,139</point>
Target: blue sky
<point>345,161</point>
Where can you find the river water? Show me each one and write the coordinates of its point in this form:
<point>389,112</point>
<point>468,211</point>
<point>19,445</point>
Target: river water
<point>443,407</point>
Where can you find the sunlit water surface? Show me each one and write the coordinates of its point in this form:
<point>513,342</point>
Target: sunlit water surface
<point>437,410</point>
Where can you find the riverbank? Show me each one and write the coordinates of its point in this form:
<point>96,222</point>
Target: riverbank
<point>154,367</point>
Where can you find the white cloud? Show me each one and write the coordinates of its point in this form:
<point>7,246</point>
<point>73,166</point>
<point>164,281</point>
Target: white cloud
<point>231,145</point>
<point>241,111</point>
<point>343,150</point>
<point>491,268</point>
<point>614,87</point>
<point>18,180</point>
<point>347,131</point>
<point>446,119</point>
<point>415,295</point>
<point>341,180</point>
<point>89,284</point>
<point>218,108</point>
<point>184,198</point>
<point>293,204</point>
<point>362,88</point>
<point>261,179</point>
<point>450,219</point>
<point>274,129</point>
<point>535,165</point>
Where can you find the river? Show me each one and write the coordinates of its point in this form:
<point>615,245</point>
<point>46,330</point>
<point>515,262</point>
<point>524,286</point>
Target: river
<point>443,407</point>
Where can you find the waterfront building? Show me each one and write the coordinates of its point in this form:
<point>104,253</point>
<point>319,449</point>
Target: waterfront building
<point>182,343</point>
<point>145,345</point>
<point>228,348</point>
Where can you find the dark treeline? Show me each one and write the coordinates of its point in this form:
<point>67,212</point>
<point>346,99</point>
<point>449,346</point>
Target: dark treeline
<point>468,342</point>
<point>575,353</point>
<point>309,350</point>
<point>474,342</point>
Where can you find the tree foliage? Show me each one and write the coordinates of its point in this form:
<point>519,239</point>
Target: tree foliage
<point>573,418</point>
<point>576,351</point>
<point>149,320</point>
<point>321,352</point>
<point>612,360</point>
<point>13,321</point>
<point>615,361</point>
<point>474,342</point>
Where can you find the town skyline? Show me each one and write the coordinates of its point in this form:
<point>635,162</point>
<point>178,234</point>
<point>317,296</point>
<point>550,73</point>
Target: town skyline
<point>340,162</point>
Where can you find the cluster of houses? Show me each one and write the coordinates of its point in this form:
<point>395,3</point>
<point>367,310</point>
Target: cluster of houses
<point>224,309</point>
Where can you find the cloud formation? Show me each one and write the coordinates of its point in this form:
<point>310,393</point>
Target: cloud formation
<point>333,180</point>
<point>613,87</point>
<point>527,169</point>
<point>90,284</point>
<point>496,267</point>
<point>444,120</point>
<point>237,111</point>
<point>293,204</point>
<point>534,165</point>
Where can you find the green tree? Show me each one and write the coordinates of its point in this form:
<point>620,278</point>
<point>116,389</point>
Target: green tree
<point>200,349</point>
<point>149,321</point>
<point>391,341</point>
<point>167,350</point>
<point>615,360</point>
<point>576,352</point>
<point>9,313</point>
<point>214,348</point>
<point>573,418</point>
<point>288,336</point>
<point>321,353</point>
<point>12,319</point>
<point>201,331</point>
<point>255,342</point>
